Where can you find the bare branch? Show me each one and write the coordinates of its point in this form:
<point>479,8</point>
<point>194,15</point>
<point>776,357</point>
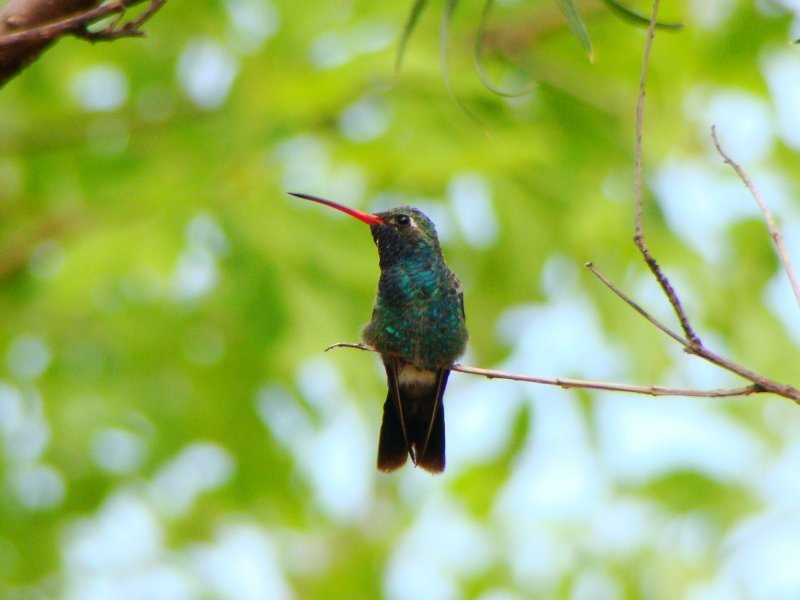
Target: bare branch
<point>691,343</point>
<point>583,384</point>
<point>638,239</point>
<point>627,299</point>
<point>652,390</point>
<point>637,153</point>
<point>760,382</point>
<point>27,27</point>
<point>76,25</point>
<point>130,29</point>
<point>18,15</point>
<point>774,232</point>
<point>669,292</point>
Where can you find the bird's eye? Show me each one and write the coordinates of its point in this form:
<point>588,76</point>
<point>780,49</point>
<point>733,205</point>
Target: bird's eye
<point>403,220</point>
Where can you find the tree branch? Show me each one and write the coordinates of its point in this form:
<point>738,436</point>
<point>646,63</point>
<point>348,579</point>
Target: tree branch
<point>627,299</point>
<point>638,239</point>
<point>25,14</point>
<point>112,31</point>
<point>774,232</point>
<point>690,341</point>
<point>651,390</point>
<point>762,383</point>
<point>28,27</point>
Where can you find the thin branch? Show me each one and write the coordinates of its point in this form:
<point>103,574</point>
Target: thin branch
<point>637,153</point>
<point>627,299</point>
<point>130,29</point>
<point>669,292</point>
<point>18,15</point>
<point>691,343</point>
<point>760,382</point>
<point>638,239</point>
<point>29,27</point>
<point>76,25</point>
<point>774,232</point>
<point>584,384</point>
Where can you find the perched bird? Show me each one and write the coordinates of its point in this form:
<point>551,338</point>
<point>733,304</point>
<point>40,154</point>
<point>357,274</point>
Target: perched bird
<point>419,329</point>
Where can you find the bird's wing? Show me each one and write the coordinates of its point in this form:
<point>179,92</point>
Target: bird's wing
<point>392,364</point>
<point>460,292</point>
<point>436,419</point>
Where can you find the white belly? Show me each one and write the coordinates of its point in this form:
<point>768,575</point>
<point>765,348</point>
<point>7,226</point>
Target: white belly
<point>410,375</point>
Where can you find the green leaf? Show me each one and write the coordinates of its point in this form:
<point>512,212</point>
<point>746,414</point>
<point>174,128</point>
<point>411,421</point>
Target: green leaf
<point>627,14</point>
<point>576,24</point>
<point>444,44</point>
<point>478,59</point>
<point>408,28</point>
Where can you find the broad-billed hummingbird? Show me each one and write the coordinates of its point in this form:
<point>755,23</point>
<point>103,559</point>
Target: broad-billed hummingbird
<point>419,329</point>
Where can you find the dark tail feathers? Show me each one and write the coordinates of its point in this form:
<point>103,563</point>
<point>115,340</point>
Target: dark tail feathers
<point>392,450</point>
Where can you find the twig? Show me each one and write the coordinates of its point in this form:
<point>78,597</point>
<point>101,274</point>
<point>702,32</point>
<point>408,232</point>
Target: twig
<point>774,232</point>
<point>691,343</point>
<point>637,152</point>
<point>130,29</point>
<point>760,382</point>
<point>584,384</point>
<point>76,25</point>
<point>29,27</point>
<point>627,299</point>
<point>638,239</point>
<point>18,15</point>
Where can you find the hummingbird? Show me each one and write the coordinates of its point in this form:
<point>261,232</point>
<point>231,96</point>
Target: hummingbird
<point>418,327</point>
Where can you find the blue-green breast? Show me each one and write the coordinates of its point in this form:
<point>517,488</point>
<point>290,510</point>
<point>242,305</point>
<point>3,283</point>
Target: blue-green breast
<point>418,314</point>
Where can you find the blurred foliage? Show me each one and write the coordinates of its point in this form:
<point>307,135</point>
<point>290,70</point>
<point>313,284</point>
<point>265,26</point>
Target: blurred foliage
<point>170,426</point>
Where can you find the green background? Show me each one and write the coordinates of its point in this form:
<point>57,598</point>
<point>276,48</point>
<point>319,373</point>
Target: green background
<point>170,424</point>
